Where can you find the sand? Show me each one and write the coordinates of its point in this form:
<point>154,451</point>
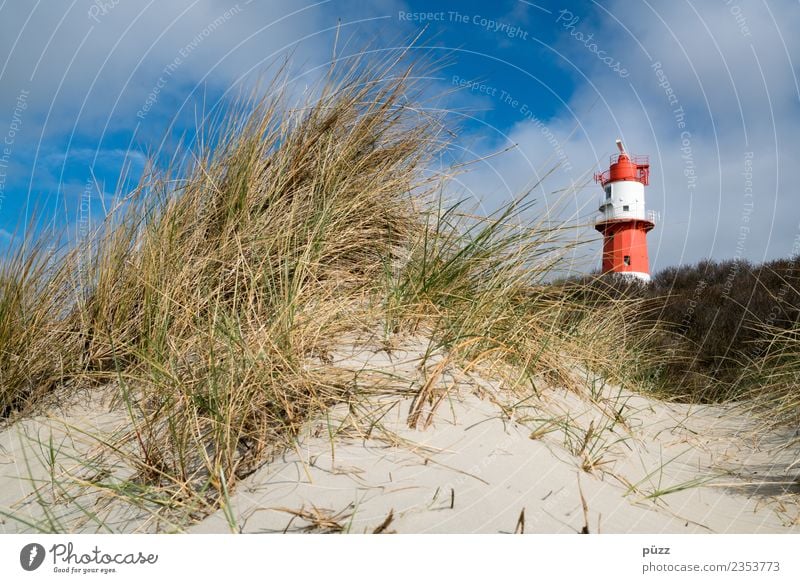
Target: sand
<point>600,460</point>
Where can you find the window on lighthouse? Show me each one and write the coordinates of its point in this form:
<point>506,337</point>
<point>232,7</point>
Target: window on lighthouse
<point>627,259</point>
<point>608,192</point>
<point>626,207</point>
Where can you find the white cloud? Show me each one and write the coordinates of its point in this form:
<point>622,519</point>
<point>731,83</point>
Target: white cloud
<point>109,64</point>
<point>711,71</point>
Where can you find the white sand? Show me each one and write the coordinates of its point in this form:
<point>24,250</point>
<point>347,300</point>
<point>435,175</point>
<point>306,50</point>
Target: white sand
<point>475,468</point>
<point>46,460</point>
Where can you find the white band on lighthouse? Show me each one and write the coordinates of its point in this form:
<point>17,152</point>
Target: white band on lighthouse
<point>644,277</point>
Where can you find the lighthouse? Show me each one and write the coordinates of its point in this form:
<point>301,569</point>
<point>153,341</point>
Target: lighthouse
<point>623,220</point>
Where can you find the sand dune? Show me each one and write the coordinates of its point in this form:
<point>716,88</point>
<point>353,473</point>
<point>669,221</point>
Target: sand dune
<point>479,459</point>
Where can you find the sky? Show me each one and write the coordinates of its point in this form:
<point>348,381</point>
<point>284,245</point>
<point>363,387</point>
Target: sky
<point>90,90</point>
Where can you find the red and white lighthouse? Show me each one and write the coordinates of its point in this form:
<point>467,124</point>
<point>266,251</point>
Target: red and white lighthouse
<point>624,222</point>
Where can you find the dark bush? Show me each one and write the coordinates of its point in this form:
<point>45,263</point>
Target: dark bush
<point>714,320</point>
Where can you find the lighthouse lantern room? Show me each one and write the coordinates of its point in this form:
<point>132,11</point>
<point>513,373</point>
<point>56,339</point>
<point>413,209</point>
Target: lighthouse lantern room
<point>624,221</point>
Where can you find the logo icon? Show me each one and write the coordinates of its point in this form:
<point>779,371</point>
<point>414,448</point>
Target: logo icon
<point>31,556</point>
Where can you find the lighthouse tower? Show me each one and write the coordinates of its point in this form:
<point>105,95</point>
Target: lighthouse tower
<point>624,222</point>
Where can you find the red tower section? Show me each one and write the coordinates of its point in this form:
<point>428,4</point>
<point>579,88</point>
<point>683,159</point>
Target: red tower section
<point>624,222</point>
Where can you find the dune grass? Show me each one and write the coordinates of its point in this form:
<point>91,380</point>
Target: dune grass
<point>725,331</point>
<point>208,302</point>
<point>772,385</point>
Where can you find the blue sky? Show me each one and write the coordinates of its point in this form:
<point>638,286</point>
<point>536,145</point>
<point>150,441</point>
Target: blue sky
<point>89,89</point>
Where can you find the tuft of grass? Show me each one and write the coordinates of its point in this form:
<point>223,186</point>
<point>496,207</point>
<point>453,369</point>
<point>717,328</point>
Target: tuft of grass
<point>206,292</point>
<point>772,382</point>
<point>37,352</point>
<point>712,324</point>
